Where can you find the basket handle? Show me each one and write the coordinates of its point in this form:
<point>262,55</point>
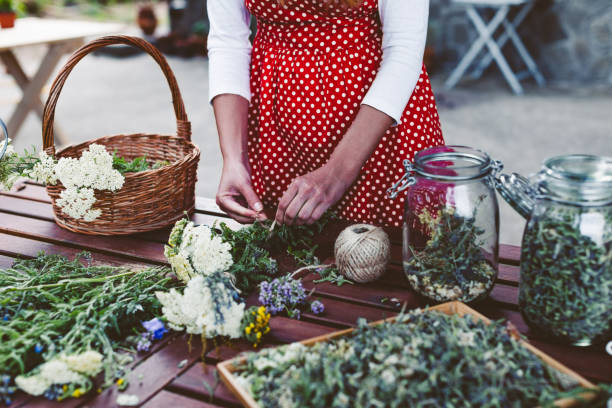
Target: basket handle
<point>182,123</point>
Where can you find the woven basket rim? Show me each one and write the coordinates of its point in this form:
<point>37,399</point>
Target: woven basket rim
<point>195,151</point>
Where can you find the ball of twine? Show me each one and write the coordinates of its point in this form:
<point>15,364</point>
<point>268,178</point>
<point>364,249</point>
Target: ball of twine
<point>362,252</point>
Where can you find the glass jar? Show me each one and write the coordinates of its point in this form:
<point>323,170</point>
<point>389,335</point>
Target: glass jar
<point>565,289</point>
<point>451,223</point>
<point>5,142</point>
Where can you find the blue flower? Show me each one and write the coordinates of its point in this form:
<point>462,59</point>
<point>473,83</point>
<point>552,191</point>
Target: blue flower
<point>317,307</point>
<point>38,348</point>
<point>155,327</point>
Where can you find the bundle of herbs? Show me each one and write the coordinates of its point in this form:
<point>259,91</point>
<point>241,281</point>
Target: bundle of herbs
<point>452,265</point>
<point>424,359</point>
<point>566,275</point>
<point>255,248</point>
<point>73,317</point>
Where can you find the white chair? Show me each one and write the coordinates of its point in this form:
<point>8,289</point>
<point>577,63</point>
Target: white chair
<point>486,32</point>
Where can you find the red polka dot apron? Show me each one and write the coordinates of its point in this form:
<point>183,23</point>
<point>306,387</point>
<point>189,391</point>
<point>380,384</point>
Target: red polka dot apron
<point>311,67</point>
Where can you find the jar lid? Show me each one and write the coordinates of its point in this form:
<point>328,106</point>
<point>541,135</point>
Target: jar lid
<point>3,143</point>
<point>453,163</point>
<point>577,178</point>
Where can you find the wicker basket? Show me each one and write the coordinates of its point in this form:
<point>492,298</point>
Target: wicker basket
<point>151,199</point>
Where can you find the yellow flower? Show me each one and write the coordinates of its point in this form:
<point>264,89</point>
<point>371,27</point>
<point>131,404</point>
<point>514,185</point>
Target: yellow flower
<point>77,393</point>
<point>65,388</point>
<point>267,330</point>
<point>258,335</point>
<point>99,390</point>
<point>248,330</point>
<point>120,381</point>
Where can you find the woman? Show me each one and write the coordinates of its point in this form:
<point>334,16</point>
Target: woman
<point>324,107</point>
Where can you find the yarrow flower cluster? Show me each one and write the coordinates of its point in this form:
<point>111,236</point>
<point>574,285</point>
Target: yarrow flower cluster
<point>44,170</point>
<point>71,372</point>
<point>286,294</point>
<point>80,177</point>
<point>195,250</point>
<point>256,324</point>
<point>209,305</point>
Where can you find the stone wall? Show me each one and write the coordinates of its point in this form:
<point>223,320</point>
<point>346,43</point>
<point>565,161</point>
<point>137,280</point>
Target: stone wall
<point>571,40</point>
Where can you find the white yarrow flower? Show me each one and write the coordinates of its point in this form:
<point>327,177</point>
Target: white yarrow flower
<point>200,252</point>
<point>44,170</point>
<point>202,308</point>
<point>33,385</point>
<point>92,171</point>
<point>88,363</point>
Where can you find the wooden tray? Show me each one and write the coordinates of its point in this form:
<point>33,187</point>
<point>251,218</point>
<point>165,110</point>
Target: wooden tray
<point>227,368</point>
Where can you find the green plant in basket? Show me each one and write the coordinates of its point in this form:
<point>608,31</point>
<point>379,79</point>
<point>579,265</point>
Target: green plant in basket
<point>7,6</point>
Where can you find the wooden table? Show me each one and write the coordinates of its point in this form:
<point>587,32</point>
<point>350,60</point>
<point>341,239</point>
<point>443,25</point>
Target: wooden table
<point>172,374</point>
<point>61,36</point>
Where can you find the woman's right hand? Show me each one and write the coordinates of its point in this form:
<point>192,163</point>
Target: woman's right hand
<point>236,196</point>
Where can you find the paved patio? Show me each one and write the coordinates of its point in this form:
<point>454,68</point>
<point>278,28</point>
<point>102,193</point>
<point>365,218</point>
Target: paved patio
<point>105,96</point>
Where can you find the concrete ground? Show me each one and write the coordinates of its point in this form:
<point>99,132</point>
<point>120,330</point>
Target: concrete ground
<point>106,96</point>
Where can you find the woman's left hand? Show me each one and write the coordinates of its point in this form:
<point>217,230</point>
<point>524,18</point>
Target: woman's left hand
<point>310,195</point>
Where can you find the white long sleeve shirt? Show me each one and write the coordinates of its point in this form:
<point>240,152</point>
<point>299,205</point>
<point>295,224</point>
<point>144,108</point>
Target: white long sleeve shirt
<point>404,25</point>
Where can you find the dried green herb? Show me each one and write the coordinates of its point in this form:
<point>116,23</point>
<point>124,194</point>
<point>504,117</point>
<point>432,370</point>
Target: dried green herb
<point>50,305</point>
<point>566,272</point>
<point>427,359</point>
<point>452,265</point>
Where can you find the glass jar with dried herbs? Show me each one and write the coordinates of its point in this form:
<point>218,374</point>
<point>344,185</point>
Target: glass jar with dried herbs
<point>566,258</point>
<point>451,223</point>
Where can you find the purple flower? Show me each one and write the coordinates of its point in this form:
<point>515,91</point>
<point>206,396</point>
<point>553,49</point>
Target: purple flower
<point>317,307</point>
<point>282,294</point>
<point>144,344</point>
<point>155,327</point>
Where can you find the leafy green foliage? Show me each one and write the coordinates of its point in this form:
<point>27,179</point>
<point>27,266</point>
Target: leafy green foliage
<point>6,6</point>
<point>135,165</point>
<point>427,359</point>
<point>332,275</point>
<point>254,246</point>
<point>566,275</point>
<point>59,306</point>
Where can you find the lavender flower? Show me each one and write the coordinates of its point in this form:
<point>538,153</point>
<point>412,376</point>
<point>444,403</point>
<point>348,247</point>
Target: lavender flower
<point>144,344</point>
<point>156,328</point>
<point>317,307</point>
<point>281,294</point>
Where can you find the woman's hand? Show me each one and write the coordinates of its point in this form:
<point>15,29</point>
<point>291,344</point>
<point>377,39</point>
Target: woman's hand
<point>310,195</point>
<point>236,196</point>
